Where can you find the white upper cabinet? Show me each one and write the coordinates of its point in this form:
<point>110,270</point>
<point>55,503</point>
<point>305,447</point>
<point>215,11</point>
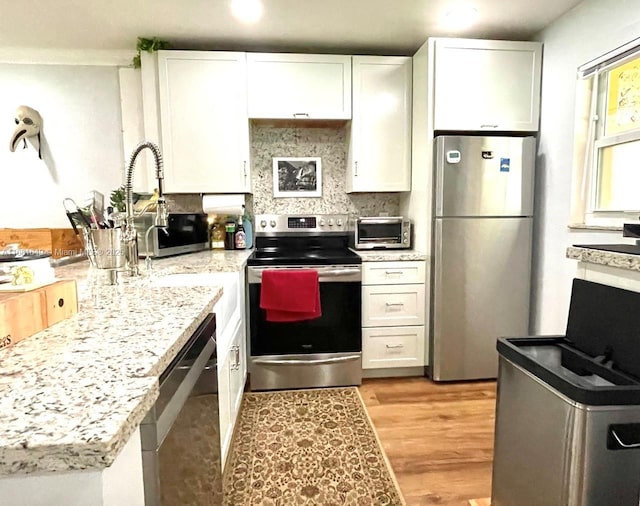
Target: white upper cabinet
<point>288,86</point>
<point>483,85</point>
<point>379,157</point>
<point>204,123</point>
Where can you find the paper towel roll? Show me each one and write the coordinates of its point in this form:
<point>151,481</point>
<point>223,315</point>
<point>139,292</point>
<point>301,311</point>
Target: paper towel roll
<point>229,205</point>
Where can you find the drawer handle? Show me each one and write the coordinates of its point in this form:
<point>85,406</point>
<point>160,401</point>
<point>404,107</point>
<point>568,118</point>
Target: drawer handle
<point>300,114</point>
<point>394,346</point>
<point>488,125</point>
<point>392,304</point>
<point>389,273</point>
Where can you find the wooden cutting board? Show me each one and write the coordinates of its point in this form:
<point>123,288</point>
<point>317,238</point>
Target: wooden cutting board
<point>23,314</point>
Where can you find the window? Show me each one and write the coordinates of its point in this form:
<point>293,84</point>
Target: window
<point>607,148</point>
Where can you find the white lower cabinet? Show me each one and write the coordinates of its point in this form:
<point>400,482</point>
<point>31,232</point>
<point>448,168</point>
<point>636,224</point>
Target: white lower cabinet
<point>231,380</point>
<point>393,315</point>
<point>393,347</point>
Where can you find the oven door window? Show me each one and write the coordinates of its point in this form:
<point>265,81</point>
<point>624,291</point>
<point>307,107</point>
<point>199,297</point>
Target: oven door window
<point>337,330</point>
<point>380,232</point>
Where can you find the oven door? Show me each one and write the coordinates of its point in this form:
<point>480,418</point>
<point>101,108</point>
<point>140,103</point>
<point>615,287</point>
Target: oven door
<point>325,351</point>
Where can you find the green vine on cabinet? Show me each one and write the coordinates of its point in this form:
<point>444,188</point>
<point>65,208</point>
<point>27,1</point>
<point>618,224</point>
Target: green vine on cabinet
<point>148,45</point>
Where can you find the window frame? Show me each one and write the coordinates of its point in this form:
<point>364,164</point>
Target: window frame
<point>586,164</point>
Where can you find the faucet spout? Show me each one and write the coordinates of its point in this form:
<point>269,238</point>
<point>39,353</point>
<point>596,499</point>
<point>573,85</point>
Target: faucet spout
<point>161,218</point>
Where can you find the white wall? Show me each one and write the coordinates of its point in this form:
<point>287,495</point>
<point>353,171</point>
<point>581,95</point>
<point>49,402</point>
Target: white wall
<point>82,133</point>
<point>592,28</point>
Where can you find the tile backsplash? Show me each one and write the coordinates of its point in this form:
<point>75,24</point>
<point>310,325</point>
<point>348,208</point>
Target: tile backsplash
<point>330,144</point>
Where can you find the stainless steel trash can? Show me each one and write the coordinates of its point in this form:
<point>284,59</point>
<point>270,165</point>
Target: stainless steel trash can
<point>567,421</point>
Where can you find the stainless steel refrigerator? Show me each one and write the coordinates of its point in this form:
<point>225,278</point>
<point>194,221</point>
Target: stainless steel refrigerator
<point>482,232</point>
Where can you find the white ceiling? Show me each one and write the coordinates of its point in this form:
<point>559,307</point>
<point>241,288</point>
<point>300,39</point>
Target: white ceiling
<point>347,26</point>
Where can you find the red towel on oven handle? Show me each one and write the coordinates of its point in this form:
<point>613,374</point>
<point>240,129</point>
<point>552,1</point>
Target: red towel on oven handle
<point>290,295</point>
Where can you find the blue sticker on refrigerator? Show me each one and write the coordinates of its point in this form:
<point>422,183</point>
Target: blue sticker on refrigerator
<point>505,164</point>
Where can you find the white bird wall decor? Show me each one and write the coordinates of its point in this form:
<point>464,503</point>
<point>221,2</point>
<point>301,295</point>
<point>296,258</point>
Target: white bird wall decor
<point>29,124</point>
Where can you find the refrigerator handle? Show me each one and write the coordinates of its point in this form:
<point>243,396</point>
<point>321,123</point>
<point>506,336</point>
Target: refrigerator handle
<point>439,176</point>
<point>436,295</point>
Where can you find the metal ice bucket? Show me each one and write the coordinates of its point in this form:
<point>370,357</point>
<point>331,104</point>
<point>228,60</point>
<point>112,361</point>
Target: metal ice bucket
<point>104,248</point>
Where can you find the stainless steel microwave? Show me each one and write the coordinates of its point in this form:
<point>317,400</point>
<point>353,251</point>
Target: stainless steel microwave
<point>382,232</point>
<point>185,233</point>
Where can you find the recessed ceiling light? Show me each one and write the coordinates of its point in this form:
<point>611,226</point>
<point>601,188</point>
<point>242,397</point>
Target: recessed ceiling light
<point>460,17</point>
<point>247,11</point>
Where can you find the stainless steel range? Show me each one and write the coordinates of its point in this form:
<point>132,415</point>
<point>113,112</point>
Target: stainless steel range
<point>319,352</point>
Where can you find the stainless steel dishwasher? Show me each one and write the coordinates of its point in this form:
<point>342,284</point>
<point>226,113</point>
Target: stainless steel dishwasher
<point>181,433</point>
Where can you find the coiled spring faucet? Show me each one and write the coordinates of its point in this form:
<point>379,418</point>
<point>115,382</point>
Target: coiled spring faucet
<point>129,236</point>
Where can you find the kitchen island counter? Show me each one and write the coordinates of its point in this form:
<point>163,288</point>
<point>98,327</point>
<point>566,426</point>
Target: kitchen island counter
<point>72,395</point>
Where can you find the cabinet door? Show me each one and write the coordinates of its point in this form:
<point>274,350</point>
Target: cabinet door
<point>205,129</point>
<point>487,85</point>
<point>380,139</point>
<point>236,371</point>
<point>303,86</point>
<point>224,404</point>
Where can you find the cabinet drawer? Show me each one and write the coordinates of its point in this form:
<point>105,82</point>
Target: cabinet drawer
<point>392,273</point>
<point>393,347</point>
<point>385,306</point>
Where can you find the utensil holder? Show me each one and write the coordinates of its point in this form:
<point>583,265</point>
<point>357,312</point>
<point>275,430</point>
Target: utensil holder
<point>104,248</point>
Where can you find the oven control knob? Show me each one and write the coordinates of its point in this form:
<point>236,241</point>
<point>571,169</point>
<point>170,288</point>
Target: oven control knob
<point>272,223</point>
<point>339,222</point>
<point>331,223</point>
<point>405,240</point>
<point>263,223</point>
<point>405,234</point>
<point>321,222</point>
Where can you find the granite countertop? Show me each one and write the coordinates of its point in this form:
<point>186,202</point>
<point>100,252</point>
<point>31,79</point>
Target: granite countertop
<point>610,258</point>
<point>71,395</point>
<point>391,255</point>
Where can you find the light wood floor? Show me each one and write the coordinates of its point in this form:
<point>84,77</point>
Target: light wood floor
<point>438,437</point>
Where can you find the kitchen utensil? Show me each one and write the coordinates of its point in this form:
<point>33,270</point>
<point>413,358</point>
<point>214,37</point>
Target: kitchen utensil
<point>75,215</point>
<point>94,203</point>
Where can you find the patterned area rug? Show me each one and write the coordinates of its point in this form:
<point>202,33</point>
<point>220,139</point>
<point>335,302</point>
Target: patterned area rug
<point>308,447</point>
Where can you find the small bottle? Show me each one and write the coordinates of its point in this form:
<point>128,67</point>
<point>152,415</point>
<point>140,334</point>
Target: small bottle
<point>230,236</point>
<point>241,236</point>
